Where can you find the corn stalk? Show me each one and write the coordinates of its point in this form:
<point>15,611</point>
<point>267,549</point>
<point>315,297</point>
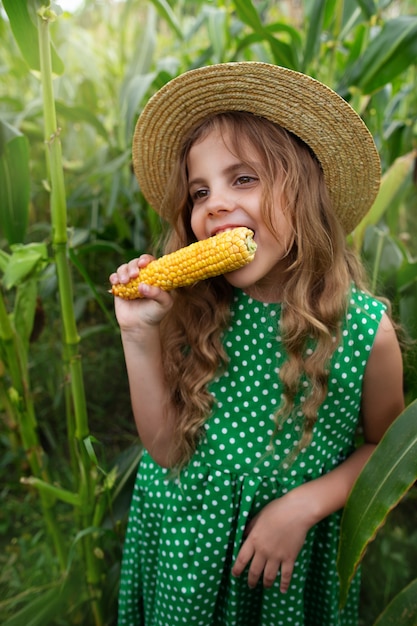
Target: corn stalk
<point>77,420</point>
<point>17,400</point>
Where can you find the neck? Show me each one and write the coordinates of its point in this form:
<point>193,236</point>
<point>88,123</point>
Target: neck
<point>264,293</point>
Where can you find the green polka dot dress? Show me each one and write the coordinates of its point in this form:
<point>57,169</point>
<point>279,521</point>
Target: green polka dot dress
<point>184,533</point>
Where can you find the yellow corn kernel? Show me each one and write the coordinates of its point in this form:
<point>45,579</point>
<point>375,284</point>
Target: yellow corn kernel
<point>222,253</point>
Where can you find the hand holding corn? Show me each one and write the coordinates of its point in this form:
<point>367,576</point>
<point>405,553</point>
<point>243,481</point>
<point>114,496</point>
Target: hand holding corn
<point>222,253</point>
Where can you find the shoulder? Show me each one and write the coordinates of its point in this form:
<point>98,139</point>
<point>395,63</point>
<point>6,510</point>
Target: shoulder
<point>386,352</point>
<point>382,394</point>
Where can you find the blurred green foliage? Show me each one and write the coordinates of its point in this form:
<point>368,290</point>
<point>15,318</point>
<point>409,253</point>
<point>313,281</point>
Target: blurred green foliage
<point>109,57</point>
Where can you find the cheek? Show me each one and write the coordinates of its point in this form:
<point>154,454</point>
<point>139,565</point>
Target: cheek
<point>193,219</point>
<point>196,225</point>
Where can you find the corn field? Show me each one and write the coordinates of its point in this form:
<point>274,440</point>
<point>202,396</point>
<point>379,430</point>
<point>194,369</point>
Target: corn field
<point>74,78</point>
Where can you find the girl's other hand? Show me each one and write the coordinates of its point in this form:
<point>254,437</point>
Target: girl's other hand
<point>150,309</point>
<point>273,541</point>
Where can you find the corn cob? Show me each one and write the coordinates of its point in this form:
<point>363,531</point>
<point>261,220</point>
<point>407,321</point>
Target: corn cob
<point>222,253</point>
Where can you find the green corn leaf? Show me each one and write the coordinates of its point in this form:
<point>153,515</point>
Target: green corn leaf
<point>134,92</point>
<point>391,184</point>
<point>283,53</point>
<point>314,32</point>
<point>368,8</point>
<point>408,314</point>
<point>330,11</point>
<point>249,15</point>
<point>391,52</point>
<point>24,311</point>
<point>26,35</point>
<point>217,30</point>
<point>51,491</point>
<point>24,261</point>
<point>40,611</point>
<point>402,609</point>
<point>4,260</point>
<point>78,114</point>
<point>88,442</point>
<point>386,477</point>
<point>14,184</point>
<point>293,33</point>
<point>407,275</point>
<point>168,15</point>
<point>75,259</point>
<point>357,44</point>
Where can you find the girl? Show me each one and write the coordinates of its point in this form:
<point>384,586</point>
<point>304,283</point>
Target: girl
<point>247,390</point>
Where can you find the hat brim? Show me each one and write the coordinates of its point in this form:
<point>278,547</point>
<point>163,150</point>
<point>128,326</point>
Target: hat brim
<point>319,116</point>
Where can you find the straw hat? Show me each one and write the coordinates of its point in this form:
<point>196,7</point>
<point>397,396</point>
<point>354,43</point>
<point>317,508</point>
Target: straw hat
<point>320,117</point>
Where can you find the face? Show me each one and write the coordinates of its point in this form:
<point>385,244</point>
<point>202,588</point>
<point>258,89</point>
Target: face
<point>227,193</point>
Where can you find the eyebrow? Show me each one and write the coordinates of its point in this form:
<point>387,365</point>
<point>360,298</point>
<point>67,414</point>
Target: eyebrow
<point>231,169</point>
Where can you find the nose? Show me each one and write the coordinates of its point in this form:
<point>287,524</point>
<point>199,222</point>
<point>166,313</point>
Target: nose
<point>219,202</point>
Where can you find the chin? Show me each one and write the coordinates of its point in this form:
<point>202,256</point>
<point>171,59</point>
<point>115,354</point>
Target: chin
<point>239,280</point>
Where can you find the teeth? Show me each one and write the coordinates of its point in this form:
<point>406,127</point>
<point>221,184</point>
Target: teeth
<point>225,230</point>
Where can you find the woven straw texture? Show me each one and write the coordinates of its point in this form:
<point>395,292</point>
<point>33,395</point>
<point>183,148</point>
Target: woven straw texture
<point>302,105</point>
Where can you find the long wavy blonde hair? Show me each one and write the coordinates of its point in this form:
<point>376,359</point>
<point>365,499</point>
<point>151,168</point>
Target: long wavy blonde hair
<point>320,270</point>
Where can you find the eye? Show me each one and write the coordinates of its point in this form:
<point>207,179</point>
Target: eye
<point>246,180</point>
<point>199,193</point>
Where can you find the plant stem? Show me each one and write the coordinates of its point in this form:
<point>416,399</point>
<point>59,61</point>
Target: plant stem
<point>85,479</point>
<point>19,396</point>
<point>20,402</point>
<point>378,256</point>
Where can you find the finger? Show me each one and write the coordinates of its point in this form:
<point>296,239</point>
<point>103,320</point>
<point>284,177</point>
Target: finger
<point>144,260</point>
<point>127,271</point>
<point>255,571</point>
<point>249,527</point>
<point>287,569</point>
<point>245,554</point>
<point>149,291</point>
<point>155,293</point>
<point>270,573</point>
<point>122,275</point>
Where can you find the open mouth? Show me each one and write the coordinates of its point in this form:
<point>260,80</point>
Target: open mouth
<point>224,229</point>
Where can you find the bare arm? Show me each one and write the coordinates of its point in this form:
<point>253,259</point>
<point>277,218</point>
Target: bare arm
<point>382,402</point>
<point>275,536</point>
<point>139,322</point>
